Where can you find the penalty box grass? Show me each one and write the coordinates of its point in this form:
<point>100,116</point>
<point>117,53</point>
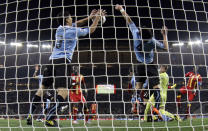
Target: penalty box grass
<point>107,125</point>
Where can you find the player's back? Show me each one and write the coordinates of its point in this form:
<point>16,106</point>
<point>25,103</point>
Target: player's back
<point>193,80</point>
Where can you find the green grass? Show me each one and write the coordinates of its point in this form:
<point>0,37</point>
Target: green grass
<point>108,125</point>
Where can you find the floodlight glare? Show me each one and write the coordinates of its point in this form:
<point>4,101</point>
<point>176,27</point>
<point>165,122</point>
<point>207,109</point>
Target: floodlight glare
<point>15,44</point>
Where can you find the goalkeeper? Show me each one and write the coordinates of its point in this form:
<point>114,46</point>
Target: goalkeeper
<point>164,81</point>
<point>144,44</point>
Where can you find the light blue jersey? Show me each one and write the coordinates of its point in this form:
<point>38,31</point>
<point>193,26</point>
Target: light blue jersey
<point>40,79</point>
<point>144,54</point>
<point>66,41</point>
<point>48,101</point>
<point>133,82</point>
<point>145,85</point>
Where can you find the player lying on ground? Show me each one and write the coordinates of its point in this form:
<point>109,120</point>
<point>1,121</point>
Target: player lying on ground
<point>194,82</point>
<point>164,115</point>
<point>76,94</point>
<point>144,44</point>
<point>59,69</point>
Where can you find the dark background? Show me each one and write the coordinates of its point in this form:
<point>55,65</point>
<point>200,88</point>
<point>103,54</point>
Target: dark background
<point>105,56</point>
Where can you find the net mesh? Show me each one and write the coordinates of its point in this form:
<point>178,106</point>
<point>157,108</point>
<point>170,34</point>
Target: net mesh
<point>27,36</point>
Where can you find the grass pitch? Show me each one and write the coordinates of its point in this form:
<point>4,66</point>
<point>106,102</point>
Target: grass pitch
<point>107,125</point>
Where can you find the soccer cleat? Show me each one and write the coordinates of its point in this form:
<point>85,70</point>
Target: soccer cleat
<point>142,120</point>
<point>29,119</point>
<point>39,120</point>
<point>177,117</point>
<point>75,122</point>
<point>51,123</point>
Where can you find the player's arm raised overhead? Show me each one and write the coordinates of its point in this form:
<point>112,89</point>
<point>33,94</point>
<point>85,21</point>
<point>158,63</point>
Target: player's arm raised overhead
<point>124,14</point>
<point>96,20</point>
<point>85,20</point>
<point>164,33</point>
<point>36,70</point>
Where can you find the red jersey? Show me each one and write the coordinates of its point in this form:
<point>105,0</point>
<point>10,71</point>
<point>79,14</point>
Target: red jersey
<point>77,88</point>
<point>193,80</point>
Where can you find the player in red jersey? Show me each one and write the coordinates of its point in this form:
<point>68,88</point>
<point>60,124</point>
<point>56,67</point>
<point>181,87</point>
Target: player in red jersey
<point>195,80</point>
<point>94,111</point>
<point>76,94</point>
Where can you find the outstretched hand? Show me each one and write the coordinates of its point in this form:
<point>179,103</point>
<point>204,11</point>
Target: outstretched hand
<point>164,30</point>
<point>118,7</point>
<point>92,14</point>
<point>36,67</point>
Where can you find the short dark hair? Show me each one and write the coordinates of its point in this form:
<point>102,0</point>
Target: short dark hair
<point>61,17</point>
<point>165,66</point>
<point>146,33</point>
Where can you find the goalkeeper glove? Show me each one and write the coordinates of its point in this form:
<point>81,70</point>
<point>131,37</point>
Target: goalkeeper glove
<point>173,86</point>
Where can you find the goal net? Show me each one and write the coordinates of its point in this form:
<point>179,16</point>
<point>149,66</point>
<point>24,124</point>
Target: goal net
<point>104,58</point>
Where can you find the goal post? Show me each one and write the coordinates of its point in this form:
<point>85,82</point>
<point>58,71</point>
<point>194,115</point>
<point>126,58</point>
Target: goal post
<point>104,58</point>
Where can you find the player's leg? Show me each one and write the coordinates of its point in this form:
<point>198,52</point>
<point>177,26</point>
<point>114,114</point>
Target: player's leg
<point>86,112</point>
<point>85,108</point>
<point>190,99</point>
<point>33,105</point>
<point>148,108</point>
<point>133,104</point>
<point>74,112</point>
<point>166,113</point>
<point>61,83</point>
<point>47,81</point>
<point>144,95</point>
<point>179,95</point>
<point>154,83</point>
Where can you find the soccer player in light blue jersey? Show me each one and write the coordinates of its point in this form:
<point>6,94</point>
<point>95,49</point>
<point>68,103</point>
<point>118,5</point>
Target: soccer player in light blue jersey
<point>59,69</point>
<point>144,45</point>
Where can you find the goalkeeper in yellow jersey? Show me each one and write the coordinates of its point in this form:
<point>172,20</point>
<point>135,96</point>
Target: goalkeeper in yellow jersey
<point>163,115</point>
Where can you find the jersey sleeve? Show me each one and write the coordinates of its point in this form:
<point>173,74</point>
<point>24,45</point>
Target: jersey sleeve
<point>188,74</point>
<point>82,31</point>
<point>134,30</point>
<point>158,44</point>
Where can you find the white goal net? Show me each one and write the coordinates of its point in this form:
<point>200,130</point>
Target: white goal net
<point>104,58</point>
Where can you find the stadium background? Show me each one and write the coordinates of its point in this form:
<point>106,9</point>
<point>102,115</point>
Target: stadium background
<point>105,56</point>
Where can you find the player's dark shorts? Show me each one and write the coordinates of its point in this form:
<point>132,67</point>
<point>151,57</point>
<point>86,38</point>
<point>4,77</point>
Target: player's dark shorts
<point>150,71</point>
<point>57,72</point>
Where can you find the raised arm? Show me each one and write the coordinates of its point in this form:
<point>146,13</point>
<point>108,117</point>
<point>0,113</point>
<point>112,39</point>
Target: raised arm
<point>36,70</point>
<point>164,33</point>
<point>95,21</point>
<point>124,14</point>
<point>85,20</point>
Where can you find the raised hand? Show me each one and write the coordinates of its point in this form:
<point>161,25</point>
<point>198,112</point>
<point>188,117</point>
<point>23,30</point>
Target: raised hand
<point>118,7</point>
<point>36,67</point>
<point>104,13</point>
<point>164,30</point>
<point>92,14</point>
